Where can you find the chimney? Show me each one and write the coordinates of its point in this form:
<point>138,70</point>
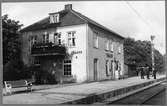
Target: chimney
<point>68,7</point>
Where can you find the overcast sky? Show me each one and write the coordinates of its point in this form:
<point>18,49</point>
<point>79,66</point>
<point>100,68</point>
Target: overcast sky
<point>136,19</point>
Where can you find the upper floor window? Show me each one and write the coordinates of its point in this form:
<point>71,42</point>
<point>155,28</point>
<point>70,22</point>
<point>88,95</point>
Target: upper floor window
<point>54,18</point>
<point>33,39</point>
<point>57,38</point>
<point>71,39</point>
<point>95,39</point>
<point>119,49</point>
<point>111,46</point>
<point>46,38</point>
<point>107,45</point>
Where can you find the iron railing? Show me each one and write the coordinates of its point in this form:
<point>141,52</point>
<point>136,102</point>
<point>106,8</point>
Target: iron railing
<point>47,48</point>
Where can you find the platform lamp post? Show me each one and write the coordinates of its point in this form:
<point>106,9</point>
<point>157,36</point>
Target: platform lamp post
<point>152,52</point>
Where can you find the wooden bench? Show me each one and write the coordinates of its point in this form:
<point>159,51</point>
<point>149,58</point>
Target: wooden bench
<point>16,84</point>
<point>123,76</point>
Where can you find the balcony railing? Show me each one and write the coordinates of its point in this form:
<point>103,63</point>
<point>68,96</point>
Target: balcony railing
<point>41,49</point>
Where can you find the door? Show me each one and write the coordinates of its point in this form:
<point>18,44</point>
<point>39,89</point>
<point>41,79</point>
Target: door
<point>95,69</point>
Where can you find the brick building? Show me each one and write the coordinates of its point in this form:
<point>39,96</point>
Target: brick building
<point>94,52</point>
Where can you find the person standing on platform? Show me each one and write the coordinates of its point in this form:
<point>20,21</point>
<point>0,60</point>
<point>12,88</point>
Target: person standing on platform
<point>142,72</point>
<point>148,72</point>
<point>154,74</point>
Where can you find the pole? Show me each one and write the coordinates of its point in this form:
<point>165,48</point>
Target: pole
<point>152,52</point>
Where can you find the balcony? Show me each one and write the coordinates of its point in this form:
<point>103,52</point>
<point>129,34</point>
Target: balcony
<point>43,49</point>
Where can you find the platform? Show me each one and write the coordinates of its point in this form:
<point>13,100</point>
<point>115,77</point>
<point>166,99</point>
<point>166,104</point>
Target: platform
<point>81,93</point>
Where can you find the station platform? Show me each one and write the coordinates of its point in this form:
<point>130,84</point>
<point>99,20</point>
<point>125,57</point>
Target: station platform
<point>85,93</point>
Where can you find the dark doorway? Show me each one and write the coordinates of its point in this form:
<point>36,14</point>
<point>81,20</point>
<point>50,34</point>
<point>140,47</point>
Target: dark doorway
<point>95,69</point>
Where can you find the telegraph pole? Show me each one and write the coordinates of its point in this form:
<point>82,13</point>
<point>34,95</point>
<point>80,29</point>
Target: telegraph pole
<point>152,52</point>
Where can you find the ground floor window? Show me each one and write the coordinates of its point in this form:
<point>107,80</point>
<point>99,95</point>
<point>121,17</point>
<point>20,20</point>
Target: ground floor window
<point>67,67</point>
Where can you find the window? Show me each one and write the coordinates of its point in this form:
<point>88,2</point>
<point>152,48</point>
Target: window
<point>107,44</point>
<point>111,46</point>
<point>107,68</point>
<point>54,18</point>
<point>119,49</point>
<point>36,62</point>
<point>95,39</point>
<point>33,39</point>
<point>71,39</point>
<point>67,67</point>
<point>46,38</point>
<point>57,38</point>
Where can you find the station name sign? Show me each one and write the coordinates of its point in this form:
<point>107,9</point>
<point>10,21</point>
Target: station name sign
<point>76,52</point>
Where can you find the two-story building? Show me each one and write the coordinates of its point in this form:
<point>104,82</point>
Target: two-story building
<point>72,46</point>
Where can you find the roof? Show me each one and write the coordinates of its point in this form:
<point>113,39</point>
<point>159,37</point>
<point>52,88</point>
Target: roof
<point>66,15</point>
<point>96,24</point>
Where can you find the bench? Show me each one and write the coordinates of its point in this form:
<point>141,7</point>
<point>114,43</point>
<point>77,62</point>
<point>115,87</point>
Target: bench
<point>16,84</point>
<point>123,76</point>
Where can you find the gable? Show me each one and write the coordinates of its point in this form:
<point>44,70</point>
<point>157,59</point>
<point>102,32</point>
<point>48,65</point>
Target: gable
<point>66,19</point>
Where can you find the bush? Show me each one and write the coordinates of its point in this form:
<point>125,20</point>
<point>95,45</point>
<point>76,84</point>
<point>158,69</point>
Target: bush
<point>15,70</point>
<point>44,77</point>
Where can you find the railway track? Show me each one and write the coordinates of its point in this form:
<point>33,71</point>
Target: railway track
<point>141,97</point>
<point>157,95</point>
<point>146,95</point>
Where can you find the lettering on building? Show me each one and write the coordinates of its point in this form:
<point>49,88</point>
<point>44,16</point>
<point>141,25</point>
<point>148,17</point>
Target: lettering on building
<point>76,52</point>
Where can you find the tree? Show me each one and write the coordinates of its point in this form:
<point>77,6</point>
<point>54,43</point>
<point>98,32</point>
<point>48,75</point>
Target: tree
<point>138,53</point>
<point>11,39</point>
<point>12,64</point>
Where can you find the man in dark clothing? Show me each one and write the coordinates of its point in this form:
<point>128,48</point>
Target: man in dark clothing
<point>148,72</point>
<point>142,72</point>
<point>154,74</point>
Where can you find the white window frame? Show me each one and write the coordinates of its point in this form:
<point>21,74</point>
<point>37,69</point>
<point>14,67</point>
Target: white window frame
<point>45,38</point>
<point>32,41</point>
<point>66,63</point>
<point>57,38</point>
<point>54,18</point>
<point>107,47</point>
<point>95,40</point>
<point>71,39</point>
<point>51,19</point>
<point>111,46</point>
<point>119,50</point>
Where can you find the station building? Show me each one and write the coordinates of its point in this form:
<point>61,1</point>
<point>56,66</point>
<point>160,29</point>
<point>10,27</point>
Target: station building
<point>72,46</point>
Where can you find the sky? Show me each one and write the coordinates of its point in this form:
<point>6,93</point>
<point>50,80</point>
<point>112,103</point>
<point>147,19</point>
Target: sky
<point>135,19</point>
